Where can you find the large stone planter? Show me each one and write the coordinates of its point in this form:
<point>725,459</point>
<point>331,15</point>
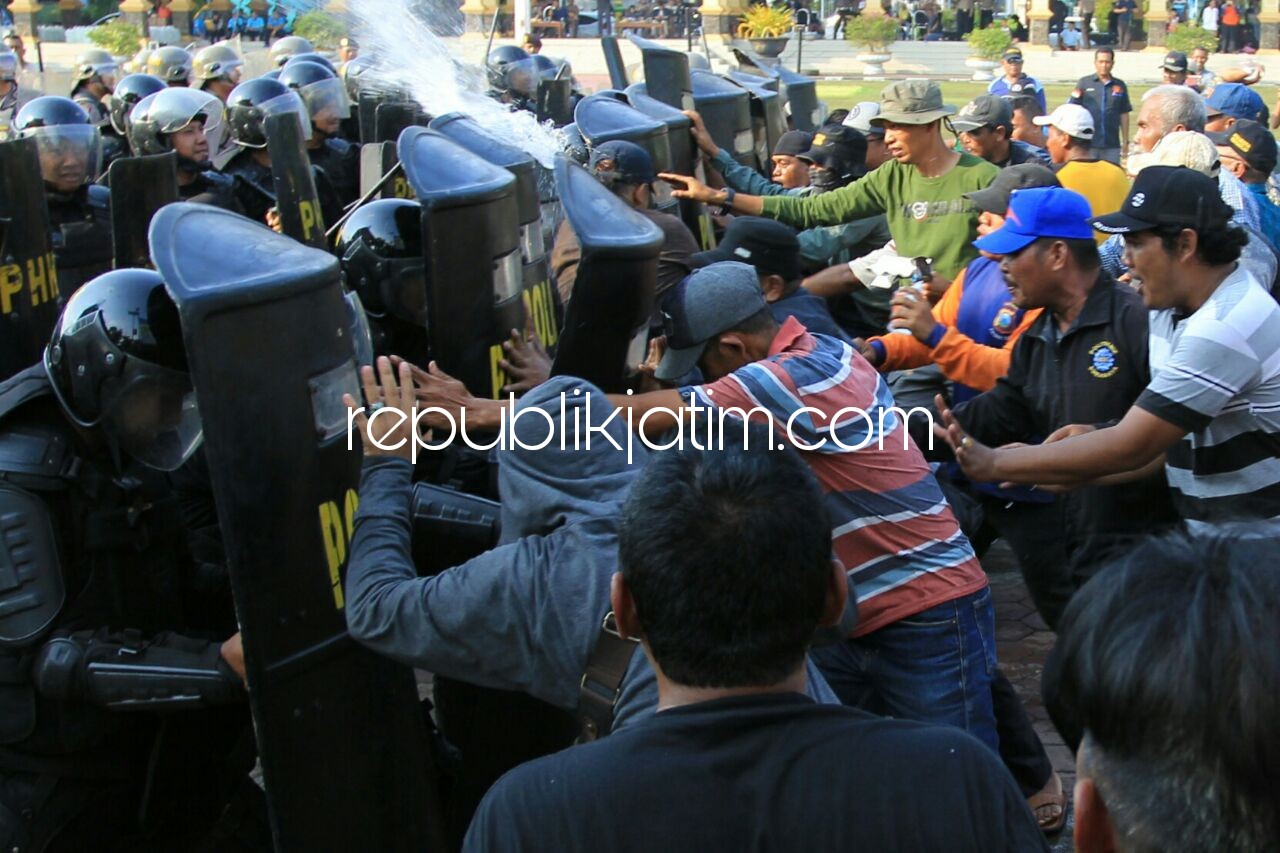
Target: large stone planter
<point>983,69</point>
<point>769,47</point>
<point>873,64</point>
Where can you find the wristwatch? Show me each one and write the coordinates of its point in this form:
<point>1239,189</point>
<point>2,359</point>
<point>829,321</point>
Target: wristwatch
<point>726,207</point>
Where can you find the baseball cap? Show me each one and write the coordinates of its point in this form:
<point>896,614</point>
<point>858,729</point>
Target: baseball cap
<point>794,143</point>
<point>1011,54</point>
<point>912,102</point>
<point>838,147</point>
<point>1167,195</point>
<point>1072,119</point>
<point>995,197</point>
<point>1174,60</point>
<point>709,301</point>
<point>1235,100</point>
<point>860,116</point>
<point>630,163</point>
<point>1036,213</point>
<point>1253,142</point>
<point>982,111</point>
<point>766,244</point>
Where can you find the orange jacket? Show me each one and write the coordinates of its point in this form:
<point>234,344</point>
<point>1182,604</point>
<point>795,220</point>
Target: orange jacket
<point>960,357</point>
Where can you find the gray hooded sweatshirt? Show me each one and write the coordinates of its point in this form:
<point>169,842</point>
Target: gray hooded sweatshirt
<point>525,615</point>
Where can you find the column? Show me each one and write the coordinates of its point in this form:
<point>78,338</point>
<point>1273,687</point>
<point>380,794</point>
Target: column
<point>720,18</point>
<point>1038,22</point>
<point>1269,25</point>
<point>1154,22</point>
<point>135,12</point>
<point>24,18</point>
<point>477,17</point>
<point>182,13</point>
<point>71,12</point>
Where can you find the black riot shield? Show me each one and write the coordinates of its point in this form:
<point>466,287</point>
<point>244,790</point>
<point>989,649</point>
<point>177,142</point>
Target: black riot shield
<point>725,108</point>
<point>367,109</point>
<point>541,300</point>
<point>768,120</point>
<point>554,102</point>
<point>376,160</point>
<point>666,73</point>
<point>296,197</point>
<point>801,93</point>
<point>345,754</point>
<point>29,295</point>
<point>392,117</point>
<point>607,320</point>
<point>613,61</point>
<point>471,239</point>
<point>684,158</point>
<point>604,117</point>
<point>139,187</point>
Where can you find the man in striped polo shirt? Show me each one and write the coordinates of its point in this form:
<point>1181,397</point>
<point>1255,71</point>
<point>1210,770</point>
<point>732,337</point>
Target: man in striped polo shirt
<point>1211,413</point>
<point>923,647</point>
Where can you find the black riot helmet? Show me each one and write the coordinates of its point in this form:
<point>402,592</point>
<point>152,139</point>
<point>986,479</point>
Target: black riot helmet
<point>380,247</point>
<point>169,111</point>
<point>252,101</point>
<point>69,143</point>
<point>127,94</point>
<point>117,363</point>
<point>171,64</point>
<point>498,60</point>
<point>351,73</point>
<point>321,90</point>
<point>317,58</point>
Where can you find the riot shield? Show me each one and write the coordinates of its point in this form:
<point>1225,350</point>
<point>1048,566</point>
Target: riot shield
<point>684,159</point>
<point>666,73</point>
<point>613,61</point>
<point>801,93</point>
<point>367,110</point>
<point>29,295</point>
<point>554,101</point>
<point>391,118</point>
<point>139,187</point>
<point>376,160</point>
<point>602,117</point>
<point>607,320</point>
<point>471,240</point>
<point>768,121</point>
<point>296,197</point>
<point>725,108</point>
<point>541,300</point>
<point>345,755</point>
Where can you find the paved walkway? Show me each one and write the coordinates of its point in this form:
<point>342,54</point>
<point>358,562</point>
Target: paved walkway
<point>1022,643</point>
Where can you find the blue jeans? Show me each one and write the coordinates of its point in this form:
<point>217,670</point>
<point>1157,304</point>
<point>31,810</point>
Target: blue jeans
<point>934,667</point>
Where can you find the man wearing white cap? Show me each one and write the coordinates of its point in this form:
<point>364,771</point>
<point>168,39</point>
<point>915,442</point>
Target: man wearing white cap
<point>1069,140</point>
<point>859,118</point>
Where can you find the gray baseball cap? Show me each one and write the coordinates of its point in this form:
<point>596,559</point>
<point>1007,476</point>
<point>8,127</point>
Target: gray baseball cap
<point>711,300</point>
<point>984,111</point>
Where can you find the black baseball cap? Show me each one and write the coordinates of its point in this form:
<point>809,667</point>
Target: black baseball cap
<point>1167,195</point>
<point>1174,60</point>
<point>836,142</point>
<point>794,143</point>
<point>1011,54</point>
<point>1253,142</point>
<point>766,244</point>
<point>995,197</point>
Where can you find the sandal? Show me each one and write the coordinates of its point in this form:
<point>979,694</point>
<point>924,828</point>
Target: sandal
<point>1049,805</point>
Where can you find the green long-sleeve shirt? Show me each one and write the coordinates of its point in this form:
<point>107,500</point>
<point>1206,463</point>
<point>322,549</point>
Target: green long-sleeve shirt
<point>928,217</point>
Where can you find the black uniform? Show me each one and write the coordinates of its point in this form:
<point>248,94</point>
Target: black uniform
<point>340,162</point>
<point>81,224</point>
<point>1091,374</point>
<point>72,772</point>
<point>255,189</point>
<point>212,188</point>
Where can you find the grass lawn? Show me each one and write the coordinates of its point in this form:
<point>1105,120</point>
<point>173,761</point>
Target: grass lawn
<point>840,94</point>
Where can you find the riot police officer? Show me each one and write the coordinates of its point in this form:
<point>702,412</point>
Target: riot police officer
<point>495,66</point>
<point>128,93</point>
<point>191,124</point>
<point>248,107</point>
<point>79,210</point>
<point>85,435</point>
<point>327,103</point>
<point>287,47</point>
<point>217,69</point>
<point>10,100</point>
<point>95,79</point>
<point>171,64</point>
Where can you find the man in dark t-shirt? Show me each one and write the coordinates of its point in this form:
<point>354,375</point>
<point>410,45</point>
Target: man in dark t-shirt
<point>726,574</point>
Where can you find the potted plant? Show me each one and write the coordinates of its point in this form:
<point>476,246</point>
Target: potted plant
<point>766,29</point>
<point>985,49</point>
<point>872,32</point>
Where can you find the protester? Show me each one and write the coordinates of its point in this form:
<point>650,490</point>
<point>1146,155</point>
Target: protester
<point>1175,644</point>
<point>1201,78</point>
<point>725,573</point>
<point>1070,143</point>
<point>1173,69</point>
<point>859,118</point>
<point>1215,376</point>
<point>1248,151</point>
<point>1232,102</point>
<point>985,125</point>
<point>1107,100</point>
<point>1014,81</point>
<point>1025,111</point>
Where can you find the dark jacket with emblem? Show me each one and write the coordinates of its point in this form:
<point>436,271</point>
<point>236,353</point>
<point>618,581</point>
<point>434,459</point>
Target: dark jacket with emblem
<point>1090,374</point>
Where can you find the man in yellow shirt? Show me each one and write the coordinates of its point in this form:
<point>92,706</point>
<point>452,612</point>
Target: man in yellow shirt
<point>1070,143</point>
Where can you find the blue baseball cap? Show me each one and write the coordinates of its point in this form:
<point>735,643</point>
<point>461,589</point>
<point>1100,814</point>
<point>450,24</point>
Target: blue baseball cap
<point>628,162</point>
<point>1036,213</point>
<point>1235,100</point>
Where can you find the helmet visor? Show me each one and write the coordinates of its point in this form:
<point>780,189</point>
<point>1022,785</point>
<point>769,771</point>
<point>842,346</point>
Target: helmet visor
<point>290,103</point>
<point>153,417</point>
<point>522,77</point>
<point>70,154</point>
<point>361,338</point>
<point>170,110</point>
<point>326,100</point>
